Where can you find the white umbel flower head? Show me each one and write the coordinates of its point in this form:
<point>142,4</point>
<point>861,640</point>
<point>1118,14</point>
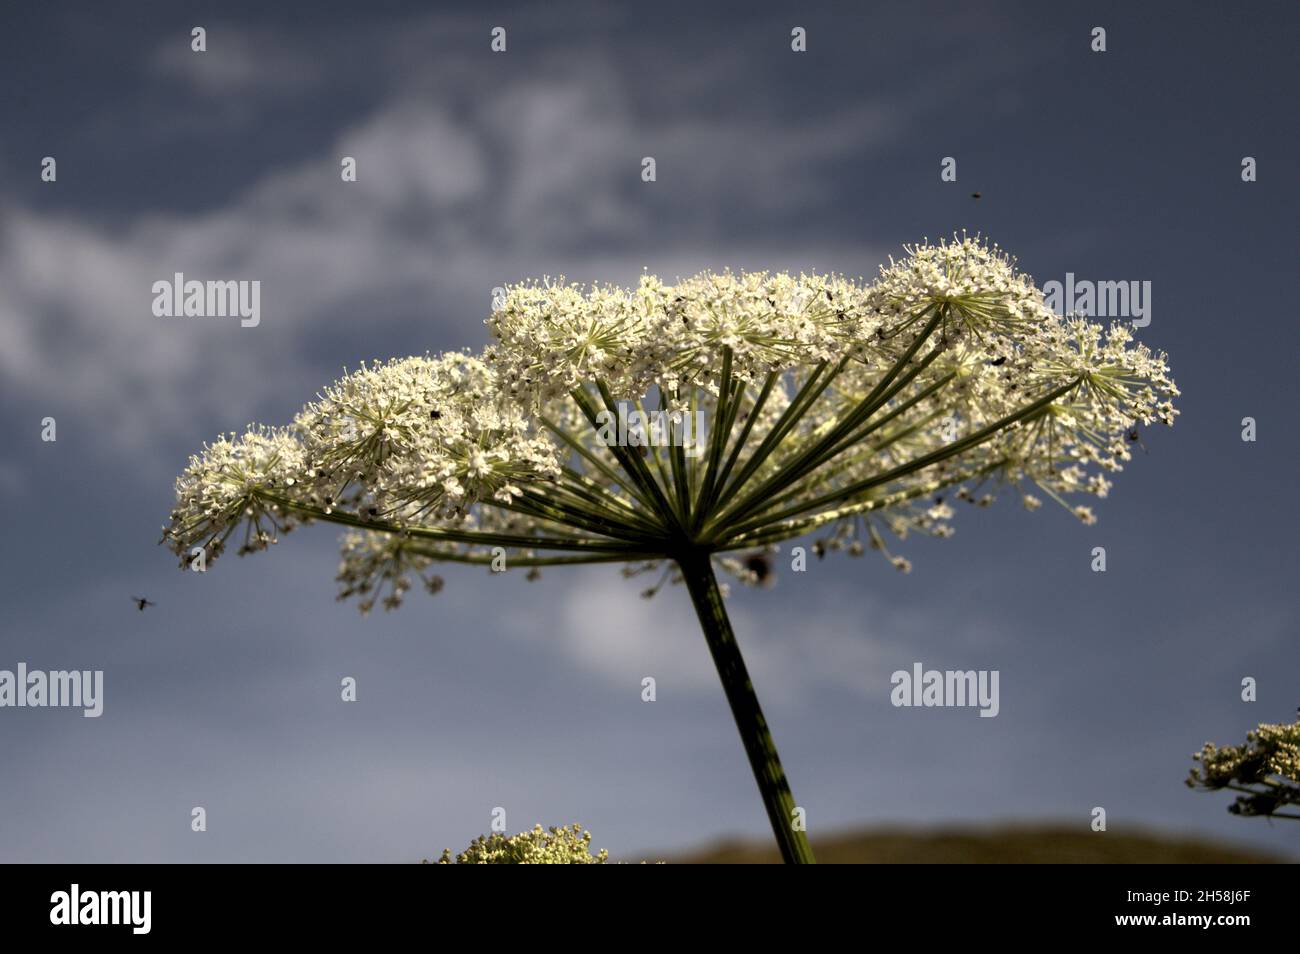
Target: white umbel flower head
<point>816,404</point>
<point>229,485</point>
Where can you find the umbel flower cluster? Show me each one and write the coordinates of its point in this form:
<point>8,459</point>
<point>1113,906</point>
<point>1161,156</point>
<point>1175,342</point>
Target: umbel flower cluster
<point>848,410</point>
<point>553,846</point>
<point>1265,771</point>
<point>751,409</point>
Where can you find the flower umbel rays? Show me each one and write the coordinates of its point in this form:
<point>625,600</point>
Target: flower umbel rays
<point>840,408</point>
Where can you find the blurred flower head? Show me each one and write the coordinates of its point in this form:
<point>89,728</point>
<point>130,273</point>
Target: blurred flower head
<point>552,846</point>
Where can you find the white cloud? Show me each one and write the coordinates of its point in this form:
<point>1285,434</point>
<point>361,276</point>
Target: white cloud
<point>606,629</point>
<point>236,62</point>
<point>542,177</point>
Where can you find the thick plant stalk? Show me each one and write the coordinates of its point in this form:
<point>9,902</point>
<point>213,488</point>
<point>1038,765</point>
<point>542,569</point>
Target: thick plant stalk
<point>697,570</point>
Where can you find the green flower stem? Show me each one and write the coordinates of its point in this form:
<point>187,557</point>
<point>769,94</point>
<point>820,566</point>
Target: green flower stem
<point>741,440</point>
<point>473,537</point>
<point>520,561</point>
<point>829,471</point>
<point>811,457</point>
<point>784,530</point>
<point>630,461</point>
<point>827,447</point>
<point>808,393</point>
<point>903,470</point>
<point>723,417</point>
<point>686,470</point>
<point>697,569</point>
<point>636,467</point>
<point>600,465</point>
<point>610,507</point>
<point>560,511</point>
<point>653,452</point>
<point>630,482</point>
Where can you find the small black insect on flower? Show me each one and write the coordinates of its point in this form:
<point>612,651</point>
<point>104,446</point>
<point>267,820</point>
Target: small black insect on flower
<point>760,565</point>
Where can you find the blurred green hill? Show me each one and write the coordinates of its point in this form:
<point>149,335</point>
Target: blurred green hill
<point>1017,844</point>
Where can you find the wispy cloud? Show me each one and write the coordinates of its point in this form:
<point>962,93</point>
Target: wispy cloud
<point>237,62</point>
<point>793,651</point>
<point>544,177</point>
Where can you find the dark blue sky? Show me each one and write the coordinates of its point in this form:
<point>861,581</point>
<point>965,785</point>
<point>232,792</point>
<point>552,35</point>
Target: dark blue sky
<point>478,169</point>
